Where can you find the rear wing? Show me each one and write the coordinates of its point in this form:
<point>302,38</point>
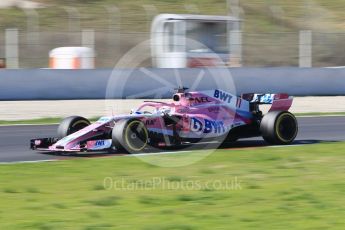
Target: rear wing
<point>280,101</point>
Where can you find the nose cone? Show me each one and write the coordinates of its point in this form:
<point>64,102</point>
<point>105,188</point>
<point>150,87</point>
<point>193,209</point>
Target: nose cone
<point>72,141</point>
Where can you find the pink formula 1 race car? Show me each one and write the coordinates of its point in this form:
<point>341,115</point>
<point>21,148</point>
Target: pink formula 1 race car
<point>191,117</point>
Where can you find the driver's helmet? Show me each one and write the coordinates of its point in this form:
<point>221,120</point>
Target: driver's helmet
<point>164,110</point>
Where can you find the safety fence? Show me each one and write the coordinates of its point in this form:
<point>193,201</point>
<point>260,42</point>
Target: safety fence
<point>23,49</point>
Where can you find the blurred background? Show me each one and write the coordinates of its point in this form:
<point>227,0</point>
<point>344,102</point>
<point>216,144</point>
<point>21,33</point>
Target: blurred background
<point>313,30</point>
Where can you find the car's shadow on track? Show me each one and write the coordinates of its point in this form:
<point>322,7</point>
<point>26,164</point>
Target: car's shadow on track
<point>262,143</point>
<point>241,144</point>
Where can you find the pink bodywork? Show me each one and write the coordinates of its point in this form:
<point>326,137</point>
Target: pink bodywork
<point>203,114</point>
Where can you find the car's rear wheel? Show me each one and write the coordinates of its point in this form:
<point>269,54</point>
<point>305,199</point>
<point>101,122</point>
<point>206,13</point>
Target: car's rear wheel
<point>279,127</point>
<point>71,125</point>
<point>130,135</point>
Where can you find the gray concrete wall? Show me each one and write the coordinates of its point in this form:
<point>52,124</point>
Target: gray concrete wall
<point>45,84</point>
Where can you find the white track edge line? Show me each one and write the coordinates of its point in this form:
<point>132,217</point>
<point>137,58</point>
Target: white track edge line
<point>27,162</point>
<point>9,125</point>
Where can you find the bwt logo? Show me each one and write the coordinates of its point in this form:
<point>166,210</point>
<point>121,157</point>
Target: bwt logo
<point>222,96</point>
<point>208,127</point>
<point>100,143</point>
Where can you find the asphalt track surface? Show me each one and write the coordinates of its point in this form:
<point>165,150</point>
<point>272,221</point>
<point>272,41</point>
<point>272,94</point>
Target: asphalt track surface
<point>14,140</point>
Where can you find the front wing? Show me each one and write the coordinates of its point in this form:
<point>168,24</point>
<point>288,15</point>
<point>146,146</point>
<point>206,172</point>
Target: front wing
<point>48,144</point>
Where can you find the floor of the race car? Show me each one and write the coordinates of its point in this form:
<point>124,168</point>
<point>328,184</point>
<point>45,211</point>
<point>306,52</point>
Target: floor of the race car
<point>242,144</point>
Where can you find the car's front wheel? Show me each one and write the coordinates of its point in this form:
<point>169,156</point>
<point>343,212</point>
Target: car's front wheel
<point>130,135</point>
<point>71,125</point>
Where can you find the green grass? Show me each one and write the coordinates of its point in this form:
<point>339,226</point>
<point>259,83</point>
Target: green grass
<point>299,187</point>
<point>258,17</point>
<point>39,121</point>
<point>50,120</point>
<point>93,11</point>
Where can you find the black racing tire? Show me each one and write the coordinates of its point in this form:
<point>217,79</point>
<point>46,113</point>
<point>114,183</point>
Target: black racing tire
<point>71,125</point>
<point>130,135</point>
<point>279,127</point>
